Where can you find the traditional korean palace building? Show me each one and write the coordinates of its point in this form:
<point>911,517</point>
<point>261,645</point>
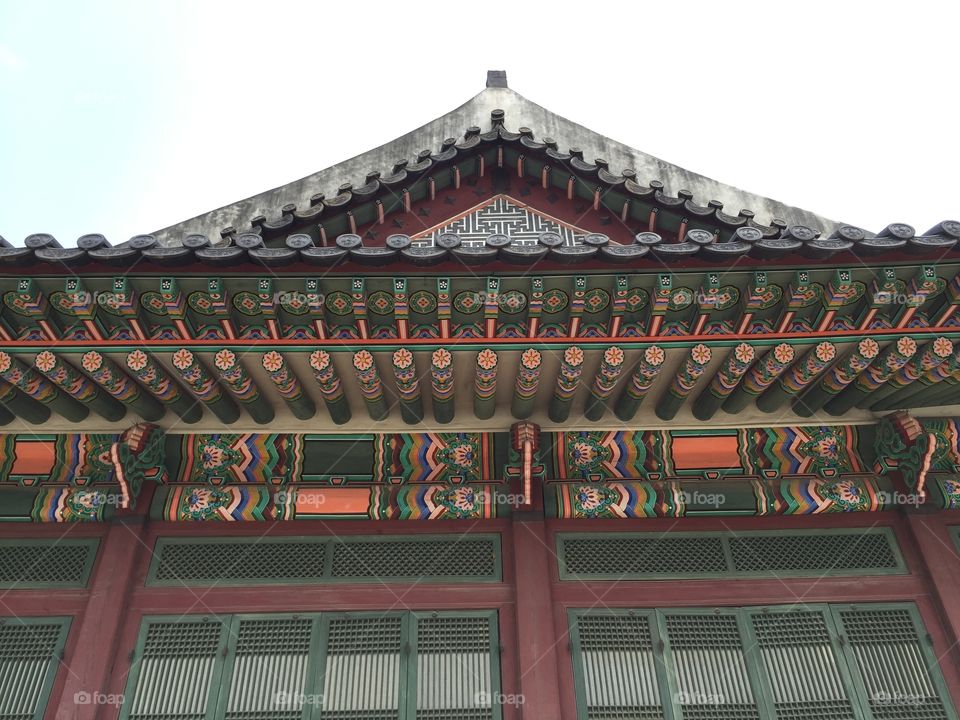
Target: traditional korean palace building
<point>503,419</point>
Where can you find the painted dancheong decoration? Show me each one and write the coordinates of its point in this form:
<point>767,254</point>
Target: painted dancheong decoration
<point>330,387</point>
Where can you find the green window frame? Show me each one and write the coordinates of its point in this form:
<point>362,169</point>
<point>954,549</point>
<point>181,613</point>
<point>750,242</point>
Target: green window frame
<point>427,558</point>
<point>371,665</point>
<point>844,552</point>
<point>30,653</point>
<point>871,661</point>
<point>31,563</point>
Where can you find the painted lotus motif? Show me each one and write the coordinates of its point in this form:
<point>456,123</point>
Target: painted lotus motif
<point>182,359</point>
<point>441,358</point>
<point>137,360</point>
<point>487,359</point>
<point>654,355</point>
<point>272,361</point>
<point>363,360</point>
<point>46,361</point>
<point>701,354</point>
<point>573,355</point>
<point>224,359</point>
<point>320,360</point>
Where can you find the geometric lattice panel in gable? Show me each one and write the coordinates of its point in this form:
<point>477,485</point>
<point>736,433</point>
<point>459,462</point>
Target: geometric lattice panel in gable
<point>502,215</point>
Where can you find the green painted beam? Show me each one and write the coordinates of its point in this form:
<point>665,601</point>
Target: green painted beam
<point>288,385</point>
<point>205,386</point>
<point>109,376</point>
<point>641,380</point>
<point>528,380</point>
<point>568,380</point>
<point>408,386</point>
<point>238,381</point>
<point>886,365</point>
<point>837,378</point>
<point>760,377</point>
<point>153,375</point>
<point>441,383</point>
<point>798,377</point>
<point>611,365</point>
<point>672,400</point>
<point>35,386</point>
<point>485,384</point>
<point>724,382</point>
<point>331,388</point>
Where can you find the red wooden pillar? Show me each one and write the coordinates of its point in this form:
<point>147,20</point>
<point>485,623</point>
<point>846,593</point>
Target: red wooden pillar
<point>941,560</point>
<point>538,643</point>
<point>97,631</point>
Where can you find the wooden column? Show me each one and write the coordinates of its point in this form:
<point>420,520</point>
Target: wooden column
<point>288,385</point>
<point>724,382</point>
<point>108,375</point>
<point>330,386</point>
<point>239,382</point>
<point>485,384</point>
<point>441,382</point>
<point>528,379</point>
<point>205,386</point>
<point>161,383</point>
<point>539,645</point>
<point>568,380</point>
<point>640,382</point>
<point>33,385</point>
<point>96,633</point>
<point>941,559</point>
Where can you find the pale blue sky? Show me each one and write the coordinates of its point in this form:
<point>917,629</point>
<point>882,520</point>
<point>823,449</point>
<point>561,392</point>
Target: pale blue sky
<point>122,118</point>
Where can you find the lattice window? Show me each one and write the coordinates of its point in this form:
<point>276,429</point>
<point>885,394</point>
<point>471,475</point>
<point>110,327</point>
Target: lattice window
<point>256,561</point>
<point>335,666</point>
<point>890,657</point>
<point>647,555</point>
<point>31,563</point>
<point>801,661</point>
<point>30,650</point>
<point>815,662</point>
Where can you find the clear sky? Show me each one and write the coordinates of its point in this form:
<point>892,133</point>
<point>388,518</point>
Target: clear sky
<point>125,117</point>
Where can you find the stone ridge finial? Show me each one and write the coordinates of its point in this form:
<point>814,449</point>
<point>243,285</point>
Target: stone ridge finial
<point>497,78</point>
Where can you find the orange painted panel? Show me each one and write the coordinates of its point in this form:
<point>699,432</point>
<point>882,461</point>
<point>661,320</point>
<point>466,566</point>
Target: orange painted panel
<point>713,451</point>
<point>333,501</point>
<point>33,458</point>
